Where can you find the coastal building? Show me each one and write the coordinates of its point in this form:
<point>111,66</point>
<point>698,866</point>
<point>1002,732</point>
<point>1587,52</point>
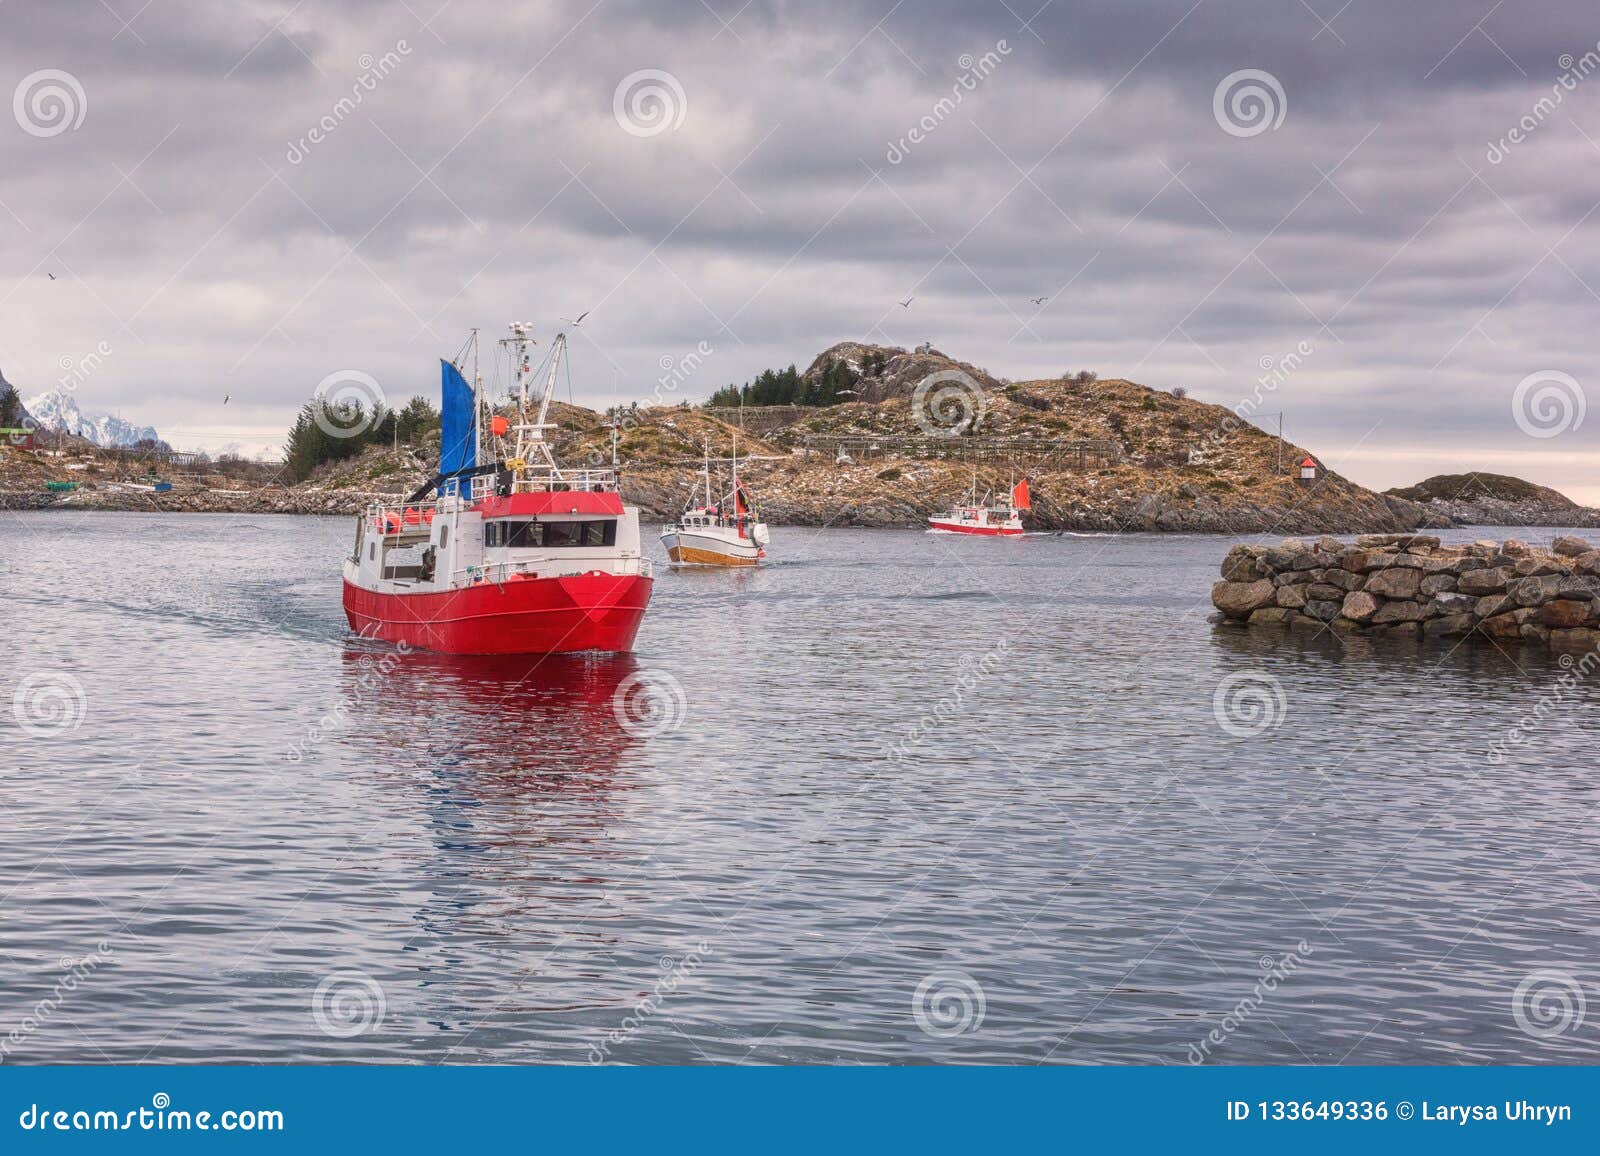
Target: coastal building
<point>18,436</point>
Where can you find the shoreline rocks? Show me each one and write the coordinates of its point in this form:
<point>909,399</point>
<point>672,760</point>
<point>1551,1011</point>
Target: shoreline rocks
<point>1414,585</point>
<point>824,495</point>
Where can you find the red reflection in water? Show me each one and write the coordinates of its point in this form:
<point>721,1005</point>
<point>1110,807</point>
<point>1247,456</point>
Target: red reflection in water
<point>500,728</point>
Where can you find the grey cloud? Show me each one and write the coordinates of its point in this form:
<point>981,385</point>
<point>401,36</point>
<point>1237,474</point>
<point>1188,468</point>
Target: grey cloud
<point>760,227</point>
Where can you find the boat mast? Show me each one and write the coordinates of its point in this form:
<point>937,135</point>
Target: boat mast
<point>480,405</point>
<point>530,434</point>
<point>550,385</point>
<point>516,347</point>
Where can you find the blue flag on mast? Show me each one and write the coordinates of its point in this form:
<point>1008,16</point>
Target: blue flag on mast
<point>458,440</point>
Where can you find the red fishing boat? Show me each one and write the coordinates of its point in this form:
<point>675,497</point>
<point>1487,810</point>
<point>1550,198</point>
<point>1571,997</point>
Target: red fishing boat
<point>503,551</point>
<point>983,516</point>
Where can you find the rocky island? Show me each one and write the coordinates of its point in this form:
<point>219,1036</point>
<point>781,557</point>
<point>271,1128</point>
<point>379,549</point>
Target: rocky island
<point>1480,499</point>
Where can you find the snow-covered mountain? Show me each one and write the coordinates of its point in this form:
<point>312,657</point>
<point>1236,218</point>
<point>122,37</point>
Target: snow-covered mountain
<point>57,410</point>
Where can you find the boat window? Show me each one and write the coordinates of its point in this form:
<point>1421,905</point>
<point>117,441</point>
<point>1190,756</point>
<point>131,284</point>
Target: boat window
<point>444,536</point>
<point>372,551</point>
<point>563,533</point>
<point>550,535</point>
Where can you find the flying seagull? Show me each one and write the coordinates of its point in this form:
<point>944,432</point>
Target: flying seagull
<point>1038,300</point>
<point>579,321</point>
<point>225,398</point>
<point>52,276</point>
<point>906,304</point>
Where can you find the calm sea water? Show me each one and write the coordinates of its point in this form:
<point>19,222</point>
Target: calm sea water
<point>899,798</point>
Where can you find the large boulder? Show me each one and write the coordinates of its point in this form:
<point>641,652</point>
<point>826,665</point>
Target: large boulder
<point>1396,583</point>
<point>1451,602</point>
<point>1272,615</point>
<point>1487,581</point>
<point>1437,584</point>
<point>1345,580</point>
<point>1399,612</point>
<point>1366,561</point>
<point>1575,639</point>
<point>1532,591</point>
<point>1570,547</point>
<point>1322,611</point>
<point>1565,613</point>
<point>1240,565</point>
<point>1502,626</point>
<point>1491,604</point>
<point>1238,599</point>
<point>1293,597</point>
<point>1448,624</point>
<point>1359,606</point>
<point>1526,567</point>
<point>1573,586</point>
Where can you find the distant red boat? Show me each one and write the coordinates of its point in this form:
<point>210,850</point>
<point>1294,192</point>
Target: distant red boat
<point>517,556</point>
<point>991,519</point>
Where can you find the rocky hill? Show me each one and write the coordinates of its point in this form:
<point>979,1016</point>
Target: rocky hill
<point>888,371</point>
<point>1479,499</point>
<point>1101,455</point>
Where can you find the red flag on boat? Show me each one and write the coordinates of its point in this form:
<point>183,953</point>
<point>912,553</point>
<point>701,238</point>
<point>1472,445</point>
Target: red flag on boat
<point>1020,497</point>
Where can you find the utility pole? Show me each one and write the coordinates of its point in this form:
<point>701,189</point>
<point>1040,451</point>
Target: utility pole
<point>1279,456</point>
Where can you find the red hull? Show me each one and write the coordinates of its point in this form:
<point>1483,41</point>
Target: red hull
<point>984,531</point>
<point>522,616</point>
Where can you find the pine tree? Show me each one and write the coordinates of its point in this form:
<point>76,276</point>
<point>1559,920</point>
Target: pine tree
<point>10,406</point>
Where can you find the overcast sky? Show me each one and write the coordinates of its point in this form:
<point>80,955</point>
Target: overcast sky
<point>760,190</point>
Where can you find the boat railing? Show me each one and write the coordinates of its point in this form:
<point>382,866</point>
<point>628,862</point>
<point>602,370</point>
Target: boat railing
<point>535,479</point>
<point>406,517</point>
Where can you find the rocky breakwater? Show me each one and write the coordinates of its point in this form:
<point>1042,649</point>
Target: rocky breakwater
<point>1412,584</point>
